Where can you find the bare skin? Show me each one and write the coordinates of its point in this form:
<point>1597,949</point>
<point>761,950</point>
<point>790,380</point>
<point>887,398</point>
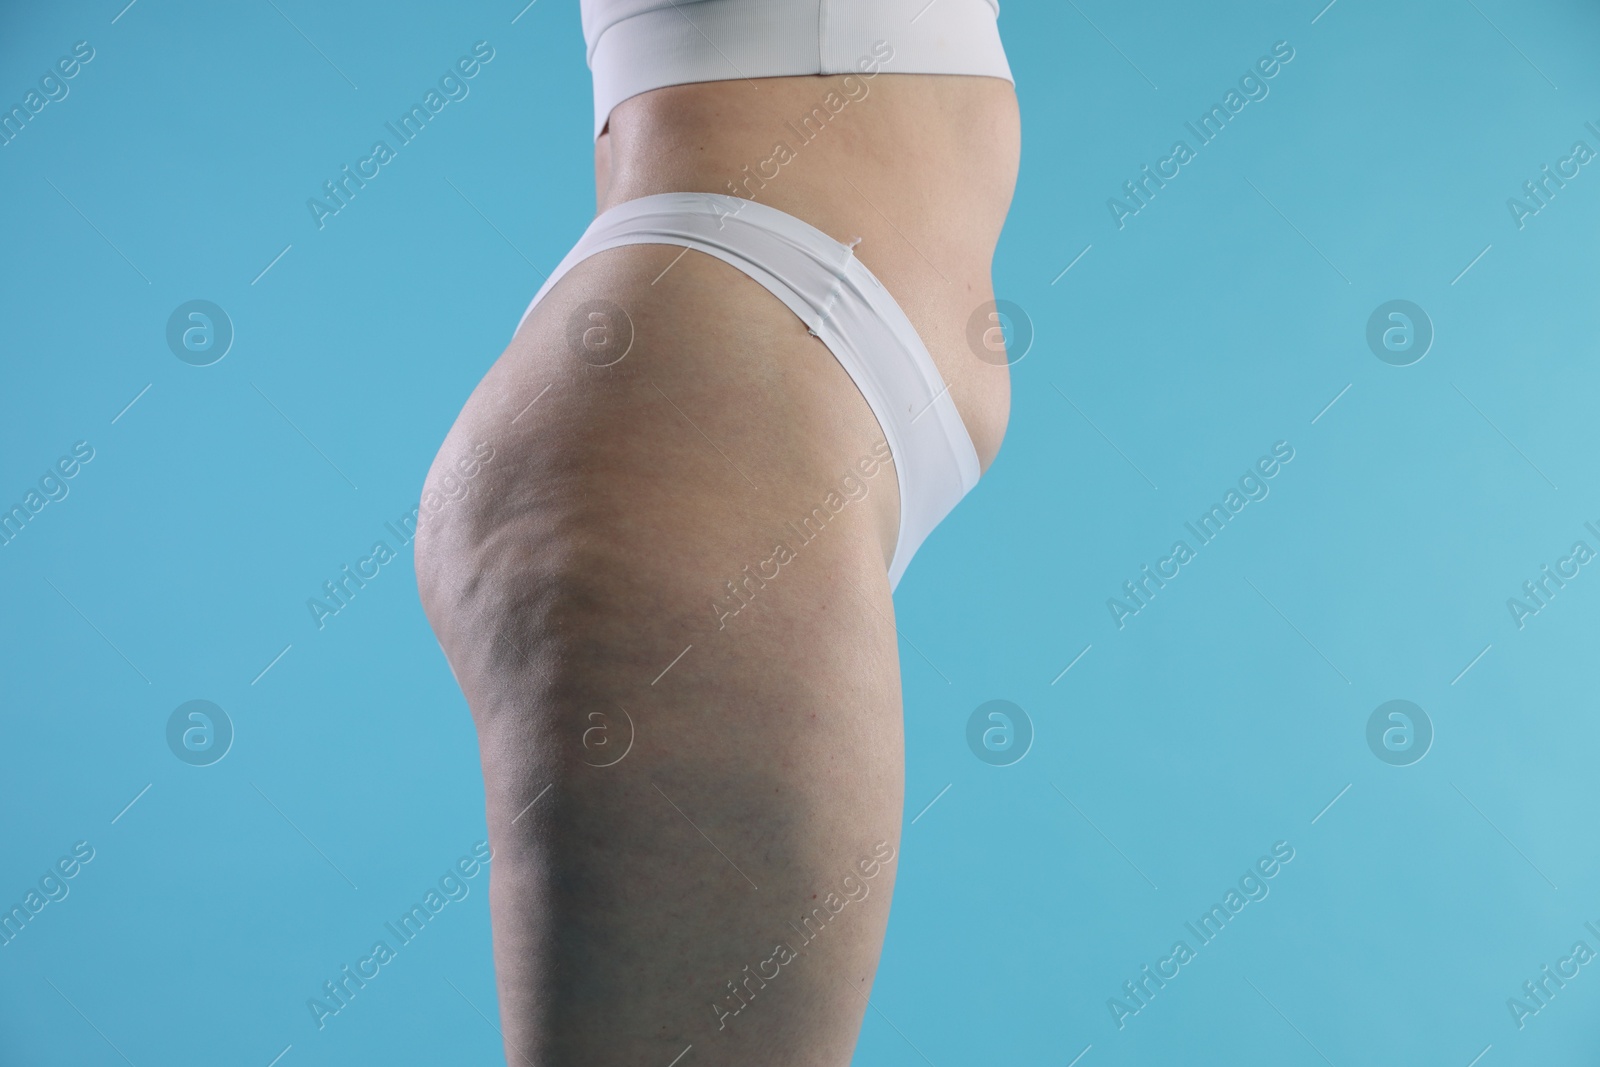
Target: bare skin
<point>709,887</point>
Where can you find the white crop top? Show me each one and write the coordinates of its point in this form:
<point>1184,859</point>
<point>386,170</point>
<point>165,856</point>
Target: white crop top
<point>638,45</point>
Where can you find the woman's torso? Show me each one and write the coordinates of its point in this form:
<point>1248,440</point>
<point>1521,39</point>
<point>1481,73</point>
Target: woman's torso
<point>920,167</point>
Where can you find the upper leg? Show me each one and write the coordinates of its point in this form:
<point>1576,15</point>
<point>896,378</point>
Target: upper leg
<point>581,593</point>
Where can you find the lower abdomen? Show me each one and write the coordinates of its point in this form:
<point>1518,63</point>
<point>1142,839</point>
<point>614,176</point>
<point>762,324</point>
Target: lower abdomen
<point>920,168</point>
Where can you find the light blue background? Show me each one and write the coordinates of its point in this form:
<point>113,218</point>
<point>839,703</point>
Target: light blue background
<point>1223,718</point>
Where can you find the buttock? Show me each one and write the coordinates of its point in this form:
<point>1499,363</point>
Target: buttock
<point>660,414</point>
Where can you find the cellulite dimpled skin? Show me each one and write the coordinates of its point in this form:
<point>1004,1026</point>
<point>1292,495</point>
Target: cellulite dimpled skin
<point>170,521</point>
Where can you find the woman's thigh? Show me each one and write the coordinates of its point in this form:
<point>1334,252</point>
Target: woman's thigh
<point>664,596</point>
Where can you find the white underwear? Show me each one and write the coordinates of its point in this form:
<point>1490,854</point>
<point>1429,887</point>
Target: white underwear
<point>638,45</point>
<point>840,302</point>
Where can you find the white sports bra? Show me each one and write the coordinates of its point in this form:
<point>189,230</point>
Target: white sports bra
<point>638,45</point>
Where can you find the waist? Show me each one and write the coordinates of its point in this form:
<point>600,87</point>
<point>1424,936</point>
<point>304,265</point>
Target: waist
<point>929,160</point>
<point>919,169</point>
